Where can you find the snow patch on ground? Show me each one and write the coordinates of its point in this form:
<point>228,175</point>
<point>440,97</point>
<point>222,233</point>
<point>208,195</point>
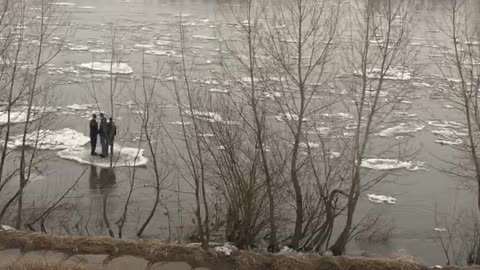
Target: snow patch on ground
<point>383,164</point>
<point>123,157</point>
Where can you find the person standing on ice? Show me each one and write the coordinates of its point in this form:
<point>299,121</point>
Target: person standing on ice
<point>93,134</point>
<point>102,131</point>
<point>111,132</point>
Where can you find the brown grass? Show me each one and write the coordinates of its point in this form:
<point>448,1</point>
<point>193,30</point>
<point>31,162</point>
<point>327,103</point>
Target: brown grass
<point>155,251</point>
<point>41,266</point>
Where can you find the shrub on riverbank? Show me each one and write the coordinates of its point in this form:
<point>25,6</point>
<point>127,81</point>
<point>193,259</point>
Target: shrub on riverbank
<point>155,251</point>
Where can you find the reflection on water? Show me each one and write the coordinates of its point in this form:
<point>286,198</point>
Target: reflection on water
<point>104,181</point>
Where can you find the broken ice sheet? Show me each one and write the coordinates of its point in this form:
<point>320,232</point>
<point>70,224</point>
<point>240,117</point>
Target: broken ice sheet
<point>115,68</point>
<point>51,139</point>
<point>401,129</point>
<point>381,199</point>
<point>123,157</point>
<point>383,164</point>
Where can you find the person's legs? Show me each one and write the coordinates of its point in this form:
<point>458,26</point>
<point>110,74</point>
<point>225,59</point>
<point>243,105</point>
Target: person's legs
<point>93,143</point>
<point>104,146</point>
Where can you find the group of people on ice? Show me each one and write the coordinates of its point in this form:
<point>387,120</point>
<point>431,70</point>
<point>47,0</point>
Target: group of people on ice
<point>106,131</point>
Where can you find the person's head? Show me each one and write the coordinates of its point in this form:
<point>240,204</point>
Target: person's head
<point>102,115</point>
<point>111,119</point>
<point>94,116</point>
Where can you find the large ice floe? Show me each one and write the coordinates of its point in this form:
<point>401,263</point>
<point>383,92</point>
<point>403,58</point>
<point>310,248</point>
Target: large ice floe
<point>445,124</point>
<point>51,139</point>
<point>16,117</point>
<point>398,74</point>
<point>123,157</point>
<point>401,129</point>
<point>381,199</point>
<point>115,68</point>
<point>384,164</point>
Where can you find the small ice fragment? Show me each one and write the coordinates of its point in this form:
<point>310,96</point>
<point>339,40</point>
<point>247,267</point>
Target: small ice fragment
<point>381,199</point>
<point>115,68</point>
<point>440,229</point>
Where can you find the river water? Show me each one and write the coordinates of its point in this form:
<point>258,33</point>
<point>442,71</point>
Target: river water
<point>153,25</point>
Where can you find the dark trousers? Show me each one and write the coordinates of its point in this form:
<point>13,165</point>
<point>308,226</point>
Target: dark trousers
<point>103,142</point>
<point>93,143</point>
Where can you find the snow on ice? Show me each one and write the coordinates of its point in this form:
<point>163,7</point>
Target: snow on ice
<point>116,68</point>
<point>383,164</point>
<point>381,199</point>
<point>123,157</point>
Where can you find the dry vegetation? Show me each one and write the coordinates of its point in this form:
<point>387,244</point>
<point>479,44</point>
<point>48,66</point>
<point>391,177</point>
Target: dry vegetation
<point>155,251</point>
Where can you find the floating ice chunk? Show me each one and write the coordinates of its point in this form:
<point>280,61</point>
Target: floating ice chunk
<point>97,50</point>
<point>290,117</point>
<point>160,52</point>
<point>163,42</point>
<point>78,48</point>
<point>402,128</point>
<point>391,74</point>
<point>218,91</point>
<point>338,115</point>
<point>115,68</point>
<point>180,123</point>
<point>51,139</point>
<point>123,157</point>
<point>16,117</point>
<point>63,4</point>
<point>308,145</point>
<point>449,141</point>
<point>445,124</point>
<point>143,46</point>
<point>382,164</point>
<point>204,37</point>
<point>6,228</point>
<point>79,107</point>
<point>448,106</point>
<point>208,116</point>
<point>446,132</point>
<point>440,229</point>
<point>381,199</point>
<point>404,114</point>
<point>87,7</point>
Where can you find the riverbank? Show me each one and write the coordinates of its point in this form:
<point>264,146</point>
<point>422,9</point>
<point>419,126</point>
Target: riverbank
<point>72,252</point>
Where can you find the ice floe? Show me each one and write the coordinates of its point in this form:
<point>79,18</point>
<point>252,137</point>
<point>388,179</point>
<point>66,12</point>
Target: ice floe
<point>446,132</point>
<point>63,4</point>
<point>383,164</point>
<point>51,139</point>
<point>445,124</point>
<point>123,157</point>
<point>115,68</point>
<point>449,141</point>
<point>440,229</point>
<point>143,46</point>
<point>78,48</point>
<point>16,117</point>
<point>390,74</point>
<point>160,52</point>
<point>401,129</point>
<point>204,37</point>
<point>381,199</point>
<point>289,117</point>
<point>218,91</point>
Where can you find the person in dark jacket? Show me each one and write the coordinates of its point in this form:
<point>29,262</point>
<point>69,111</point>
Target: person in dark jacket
<point>93,134</point>
<point>111,132</point>
<point>102,131</point>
